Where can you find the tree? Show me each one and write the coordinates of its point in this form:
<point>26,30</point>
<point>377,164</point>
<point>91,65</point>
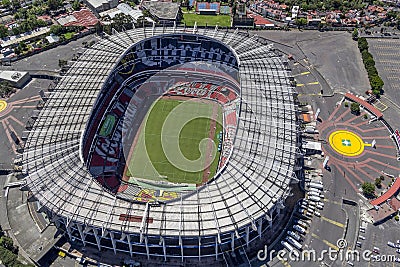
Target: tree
<point>22,45</point>
<point>362,44</point>
<point>355,108</point>
<point>355,34</point>
<point>56,29</point>
<point>62,63</point>
<point>6,3</point>
<point>376,83</point>
<point>3,31</point>
<point>54,4</point>
<point>76,5</point>
<point>8,243</point>
<point>6,89</point>
<point>301,22</point>
<point>378,182</point>
<point>7,257</point>
<point>121,20</point>
<point>368,189</point>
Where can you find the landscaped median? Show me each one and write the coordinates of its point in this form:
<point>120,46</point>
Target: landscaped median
<point>374,79</point>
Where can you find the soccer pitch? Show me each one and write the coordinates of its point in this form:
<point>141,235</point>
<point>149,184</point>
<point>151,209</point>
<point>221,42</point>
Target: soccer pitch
<point>149,160</point>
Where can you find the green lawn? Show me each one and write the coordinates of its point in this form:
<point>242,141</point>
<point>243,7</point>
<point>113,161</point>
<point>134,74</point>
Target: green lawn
<point>210,20</point>
<point>156,158</point>
<point>108,126</point>
<point>69,35</point>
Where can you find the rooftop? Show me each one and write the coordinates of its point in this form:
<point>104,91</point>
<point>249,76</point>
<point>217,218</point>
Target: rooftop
<point>162,10</point>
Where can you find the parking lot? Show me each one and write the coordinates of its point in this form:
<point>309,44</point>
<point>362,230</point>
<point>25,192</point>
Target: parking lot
<point>387,61</point>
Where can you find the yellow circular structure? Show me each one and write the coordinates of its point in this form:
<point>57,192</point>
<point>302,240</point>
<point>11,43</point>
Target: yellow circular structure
<point>3,105</point>
<point>346,143</point>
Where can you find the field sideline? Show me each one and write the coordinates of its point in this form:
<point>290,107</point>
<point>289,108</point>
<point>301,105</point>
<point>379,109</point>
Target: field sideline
<point>148,151</point>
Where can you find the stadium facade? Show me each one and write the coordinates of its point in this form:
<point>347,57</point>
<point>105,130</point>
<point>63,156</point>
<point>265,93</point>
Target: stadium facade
<point>75,173</point>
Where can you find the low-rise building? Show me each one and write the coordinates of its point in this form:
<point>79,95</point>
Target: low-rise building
<point>98,6</point>
<point>163,12</point>
<point>16,78</point>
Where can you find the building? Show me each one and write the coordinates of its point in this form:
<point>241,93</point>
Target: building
<point>165,13</point>
<point>17,79</point>
<point>52,39</point>
<point>123,8</point>
<point>80,188</point>
<point>83,17</point>
<point>98,6</point>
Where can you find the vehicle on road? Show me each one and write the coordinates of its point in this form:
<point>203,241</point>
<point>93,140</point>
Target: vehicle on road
<point>294,242</point>
<point>314,198</point>
<point>290,248</point>
<point>294,235</point>
<point>312,193</point>
<point>299,229</point>
<point>316,185</point>
<point>391,244</point>
<point>301,223</point>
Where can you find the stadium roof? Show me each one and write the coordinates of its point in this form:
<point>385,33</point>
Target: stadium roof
<point>254,180</point>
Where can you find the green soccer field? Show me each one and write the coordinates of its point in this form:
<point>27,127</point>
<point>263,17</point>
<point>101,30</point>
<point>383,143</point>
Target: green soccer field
<point>156,158</point>
<point>202,20</point>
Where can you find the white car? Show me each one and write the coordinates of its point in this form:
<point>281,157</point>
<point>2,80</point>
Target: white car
<point>398,250</point>
<point>316,213</point>
<point>391,244</point>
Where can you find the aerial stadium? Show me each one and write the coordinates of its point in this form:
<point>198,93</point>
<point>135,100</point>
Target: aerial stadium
<point>168,144</point>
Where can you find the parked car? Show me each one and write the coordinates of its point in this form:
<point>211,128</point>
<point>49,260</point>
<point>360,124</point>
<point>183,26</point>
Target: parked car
<point>391,244</point>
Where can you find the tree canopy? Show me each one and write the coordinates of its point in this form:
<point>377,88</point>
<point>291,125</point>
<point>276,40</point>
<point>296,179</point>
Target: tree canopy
<point>368,189</point>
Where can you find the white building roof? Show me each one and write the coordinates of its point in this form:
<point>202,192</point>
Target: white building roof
<point>52,38</point>
<point>312,145</point>
<point>12,76</point>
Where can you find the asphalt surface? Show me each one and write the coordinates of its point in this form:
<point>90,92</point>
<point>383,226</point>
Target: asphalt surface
<point>47,61</point>
<point>386,54</point>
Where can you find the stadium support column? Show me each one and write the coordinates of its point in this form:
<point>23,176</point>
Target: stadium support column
<point>113,242</point>
<point>259,227</point>
<point>232,241</point>
<point>128,238</point>
<point>199,248</point>
<point>247,235</point>
<point>81,233</point>
<point>68,227</point>
<point>147,248</point>
<point>96,236</point>
<point>269,219</point>
<point>181,244</point>
<point>164,247</point>
<point>216,248</point>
